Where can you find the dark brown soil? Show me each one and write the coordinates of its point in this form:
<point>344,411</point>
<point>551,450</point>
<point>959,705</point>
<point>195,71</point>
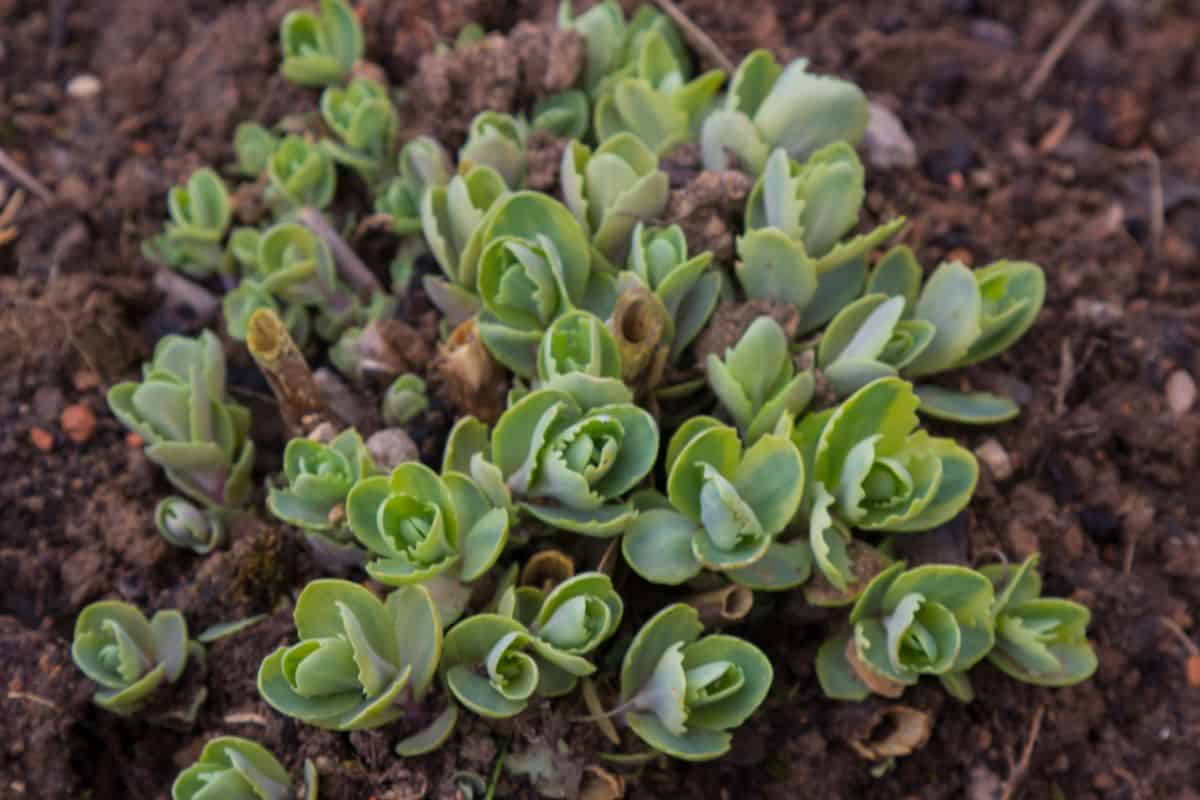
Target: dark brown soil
<point>1102,471</point>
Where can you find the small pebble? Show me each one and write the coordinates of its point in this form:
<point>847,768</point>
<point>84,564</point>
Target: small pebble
<point>83,87</point>
<point>391,447</point>
<point>998,462</point>
<point>888,144</point>
<point>78,422</point>
<point>1193,671</point>
<point>134,440</point>
<point>42,439</point>
<point>1181,392</point>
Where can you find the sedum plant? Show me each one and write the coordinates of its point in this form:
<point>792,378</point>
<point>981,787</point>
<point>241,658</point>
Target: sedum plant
<point>870,468</point>
<point>603,30</point>
<point>191,428</point>
<point>320,49</point>
<point>725,510</point>
<point>253,145</point>
<point>769,106</point>
<point>565,115</point>
<point>200,213</point>
<point>683,693</point>
<point>1039,640</point>
<point>498,141</point>
<point>364,120</point>
<point>572,466</point>
<point>129,656</point>
<point>233,768</point>
<point>403,400</point>
<point>301,173</point>
<point>487,666</point>
<point>319,478</point>
<point>579,356</point>
<point>929,620</point>
<point>612,189</point>
<point>184,525</point>
<point>960,317</point>
<point>423,165</point>
<point>359,660</point>
<point>756,382</point>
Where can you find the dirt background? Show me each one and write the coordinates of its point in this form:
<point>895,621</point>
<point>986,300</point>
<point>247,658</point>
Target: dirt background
<point>1097,178</point>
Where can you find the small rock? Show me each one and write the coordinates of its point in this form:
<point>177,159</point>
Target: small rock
<point>391,447</point>
<point>998,462</point>
<point>78,422</point>
<point>83,87</point>
<point>134,441</point>
<point>1181,392</point>
<point>42,439</point>
<point>47,403</point>
<point>888,144</point>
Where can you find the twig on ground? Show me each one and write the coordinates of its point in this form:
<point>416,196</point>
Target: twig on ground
<point>356,273</point>
<point>1059,46</point>
<point>697,37</point>
<point>283,365</point>
<point>1017,771</point>
<point>33,698</point>
<point>1066,376</point>
<point>181,290</point>
<point>1171,625</point>
<point>23,177</point>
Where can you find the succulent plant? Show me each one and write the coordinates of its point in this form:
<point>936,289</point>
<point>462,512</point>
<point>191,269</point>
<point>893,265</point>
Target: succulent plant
<point>1039,640</point>
<point>200,214</point>
<point>929,620</point>
<point>319,478</point>
<point>423,165</point>
<point>870,468</point>
<point>320,49</point>
<point>756,382</point>
<point>487,666</point>
<point>960,317</point>
<point>359,659</point>
<point>498,141</point>
<point>682,693</point>
<point>253,145</point>
<point>769,106</point>
<point>603,30</point>
<point>403,400</point>
<point>239,304</point>
<point>796,216</point>
<point>301,173</point>
<point>566,115</point>
<point>612,189</point>
<point>233,768</point>
<point>127,655</point>
<point>726,508</point>
<point>184,525</point>
<point>579,356</point>
<point>191,428</point>
<point>572,466</point>
<point>364,120</point>
<point>411,522</point>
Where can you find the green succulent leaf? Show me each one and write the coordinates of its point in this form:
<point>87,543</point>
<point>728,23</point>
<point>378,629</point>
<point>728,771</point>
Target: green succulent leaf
<point>565,115</point>
<point>774,266</point>
<point>365,122</point>
<point>200,213</point>
<point>658,546</point>
<point>234,768</point>
<point>1013,293</point>
<point>184,525</point>
<point>253,145</point>
<point>497,140</point>
<point>485,665</point>
<point>431,737</point>
<point>302,173</point>
<point>966,408</point>
<point>319,50</point>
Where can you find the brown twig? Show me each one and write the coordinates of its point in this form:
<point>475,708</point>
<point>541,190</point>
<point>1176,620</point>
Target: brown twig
<point>1017,771</point>
<point>696,36</point>
<point>192,295</point>
<point>23,177</point>
<point>275,352</point>
<point>356,273</point>
<point>1066,375</point>
<point>33,698</point>
<point>1157,199</point>
<point>1058,47</point>
<point>1192,648</point>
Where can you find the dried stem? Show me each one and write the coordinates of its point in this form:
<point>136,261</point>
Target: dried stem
<point>1059,46</point>
<point>1018,770</point>
<point>356,273</point>
<point>181,290</point>
<point>280,360</point>
<point>696,36</point>
<point>24,178</point>
<point>722,606</point>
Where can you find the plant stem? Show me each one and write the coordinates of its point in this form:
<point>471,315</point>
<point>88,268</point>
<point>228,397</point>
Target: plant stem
<point>352,268</point>
<point>281,362</point>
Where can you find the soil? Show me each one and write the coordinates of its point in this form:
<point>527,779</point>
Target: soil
<point>1097,178</point>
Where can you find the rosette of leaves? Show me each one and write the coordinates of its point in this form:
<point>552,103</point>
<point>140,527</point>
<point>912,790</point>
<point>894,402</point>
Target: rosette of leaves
<point>535,266</point>
<point>612,189</point>
<point>253,145</point>
<point>571,465</point>
<point>725,509</point>
<point>423,165</point>
<point>579,356</point>
<point>1039,640</point>
<point>796,217</point>
<point>570,622</point>
<point>487,665</point>
<point>364,120</point>
<point>930,620</point>
<point>320,49</point>
<point>497,140</point>
<point>129,656</point>
<point>603,30</point>
<point>960,317</point>
<point>566,115</point>
<point>301,173</point>
<point>184,525</point>
<point>239,305</point>
<point>769,106</point>
<point>655,98</point>
<point>319,478</point>
<point>233,768</point>
<point>682,693</point>
<point>191,428</point>
<point>871,468</point>
<point>420,525</point>
<point>200,213</point>
<point>452,217</point>
<point>359,660</point>
<point>756,382</point>
<point>403,400</point>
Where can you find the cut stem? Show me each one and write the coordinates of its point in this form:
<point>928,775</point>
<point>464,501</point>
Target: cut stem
<point>281,362</point>
<point>722,606</point>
